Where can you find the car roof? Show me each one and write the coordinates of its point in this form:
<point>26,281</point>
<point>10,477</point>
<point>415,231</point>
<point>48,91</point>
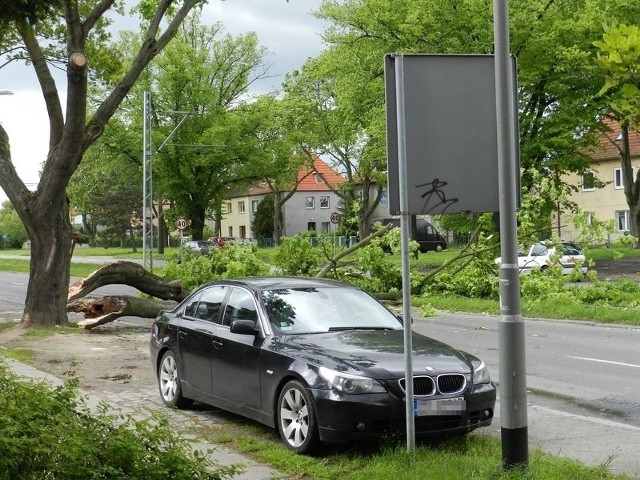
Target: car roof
<point>274,283</point>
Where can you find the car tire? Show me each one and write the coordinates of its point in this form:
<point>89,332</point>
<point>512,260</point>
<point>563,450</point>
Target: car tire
<point>439,248</point>
<point>296,418</point>
<point>169,382</point>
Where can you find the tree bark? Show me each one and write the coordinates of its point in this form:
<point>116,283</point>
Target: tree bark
<point>127,273</point>
<point>50,231</point>
<point>100,310</point>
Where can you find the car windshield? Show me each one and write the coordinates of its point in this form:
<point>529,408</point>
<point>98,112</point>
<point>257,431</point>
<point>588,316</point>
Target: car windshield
<point>324,309</point>
<point>570,249</point>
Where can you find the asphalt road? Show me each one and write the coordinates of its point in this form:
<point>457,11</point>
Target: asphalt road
<point>583,383</point>
<point>583,378</point>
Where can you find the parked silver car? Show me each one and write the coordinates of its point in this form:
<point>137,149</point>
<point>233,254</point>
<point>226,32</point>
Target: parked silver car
<point>542,256</point>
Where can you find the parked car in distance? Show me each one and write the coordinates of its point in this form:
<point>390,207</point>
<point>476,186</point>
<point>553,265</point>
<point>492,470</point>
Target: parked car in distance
<point>222,241</point>
<point>200,246</point>
<point>428,238</point>
<point>539,255</point>
<point>319,360</point>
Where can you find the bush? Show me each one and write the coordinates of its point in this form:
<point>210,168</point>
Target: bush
<point>477,280</point>
<point>231,261</point>
<point>51,434</point>
<point>297,256</point>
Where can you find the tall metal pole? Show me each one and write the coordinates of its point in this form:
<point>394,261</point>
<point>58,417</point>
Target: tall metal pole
<point>511,337</point>
<point>405,228</point>
<point>147,187</point>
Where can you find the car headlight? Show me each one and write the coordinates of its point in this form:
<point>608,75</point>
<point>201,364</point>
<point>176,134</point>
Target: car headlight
<point>352,384</point>
<point>481,374</point>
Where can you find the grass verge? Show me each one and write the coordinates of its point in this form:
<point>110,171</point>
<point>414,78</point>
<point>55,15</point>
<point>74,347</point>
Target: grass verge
<point>545,308</point>
<point>474,456</point>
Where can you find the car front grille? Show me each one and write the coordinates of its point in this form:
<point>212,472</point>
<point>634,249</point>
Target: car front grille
<point>424,385</point>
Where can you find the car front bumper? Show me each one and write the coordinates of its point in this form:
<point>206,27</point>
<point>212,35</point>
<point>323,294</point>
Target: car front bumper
<point>344,418</point>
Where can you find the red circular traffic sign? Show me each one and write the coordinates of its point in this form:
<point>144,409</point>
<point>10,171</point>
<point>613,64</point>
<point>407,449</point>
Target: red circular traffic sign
<point>335,217</point>
<point>181,223</point>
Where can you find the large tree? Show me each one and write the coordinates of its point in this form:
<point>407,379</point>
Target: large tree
<point>619,57</point>
<point>200,87</point>
<point>552,40</point>
<point>75,38</point>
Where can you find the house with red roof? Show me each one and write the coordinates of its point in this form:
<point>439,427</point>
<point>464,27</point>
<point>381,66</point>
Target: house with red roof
<point>608,202</point>
<point>308,209</point>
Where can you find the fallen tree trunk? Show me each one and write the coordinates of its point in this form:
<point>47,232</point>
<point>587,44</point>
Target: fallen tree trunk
<point>128,273</point>
<point>101,310</point>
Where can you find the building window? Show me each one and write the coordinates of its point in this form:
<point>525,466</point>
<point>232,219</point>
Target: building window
<point>243,231</point>
<point>617,178</point>
<point>231,231</point>
<point>588,181</point>
<point>324,201</point>
<point>319,178</point>
<point>228,208</point>
<point>590,218</point>
<point>254,205</point>
<point>240,207</point>
<point>311,202</point>
<point>325,227</point>
<point>622,220</point>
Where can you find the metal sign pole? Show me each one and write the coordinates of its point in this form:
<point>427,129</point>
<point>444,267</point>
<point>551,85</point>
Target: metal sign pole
<point>405,230</point>
<point>147,186</point>
<point>511,337</point>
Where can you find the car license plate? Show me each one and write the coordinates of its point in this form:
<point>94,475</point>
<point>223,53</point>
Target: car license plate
<point>439,406</point>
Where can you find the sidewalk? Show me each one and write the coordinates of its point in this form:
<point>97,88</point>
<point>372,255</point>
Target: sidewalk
<point>138,404</point>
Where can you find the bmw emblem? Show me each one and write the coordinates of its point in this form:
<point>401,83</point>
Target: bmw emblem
<point>429,369</point>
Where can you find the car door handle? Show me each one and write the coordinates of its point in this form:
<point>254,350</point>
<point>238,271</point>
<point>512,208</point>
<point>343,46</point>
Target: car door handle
<point>217,344</point>
<point>182,334</point>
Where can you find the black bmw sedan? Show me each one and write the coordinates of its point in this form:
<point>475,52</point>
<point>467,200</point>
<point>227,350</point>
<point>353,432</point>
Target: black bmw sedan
<point>320,360</point>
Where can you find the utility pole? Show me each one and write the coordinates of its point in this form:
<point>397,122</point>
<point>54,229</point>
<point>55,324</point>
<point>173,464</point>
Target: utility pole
<point>147,188</point>
<point>511,337</point>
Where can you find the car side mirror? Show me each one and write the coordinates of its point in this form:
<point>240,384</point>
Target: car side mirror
<point>401,318</point>
<point>243,327</point>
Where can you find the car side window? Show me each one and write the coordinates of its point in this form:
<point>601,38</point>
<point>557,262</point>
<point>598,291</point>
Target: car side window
<point>240,306</point>
<point>192,306</point>
<point>210,304</point>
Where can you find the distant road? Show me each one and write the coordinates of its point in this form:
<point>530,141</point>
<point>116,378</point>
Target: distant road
<point>99,260</point>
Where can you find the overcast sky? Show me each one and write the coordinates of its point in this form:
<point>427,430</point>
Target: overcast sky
<point>289,31</point>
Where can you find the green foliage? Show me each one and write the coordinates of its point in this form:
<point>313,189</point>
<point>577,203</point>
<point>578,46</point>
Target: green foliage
<point>626,241</point>
<point>207,73</point>
<point>51,434</point>
<point>591,230</point>
<point>107,186</point>
<point>476,280</point>
<point>262,225</point>
<point>619,57</point>
<point>30,10</point>
<point>231,261</point>
<point>11,225</point>
<point>377,274</point>
<point>296,256</point>
<point>539,284</point>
